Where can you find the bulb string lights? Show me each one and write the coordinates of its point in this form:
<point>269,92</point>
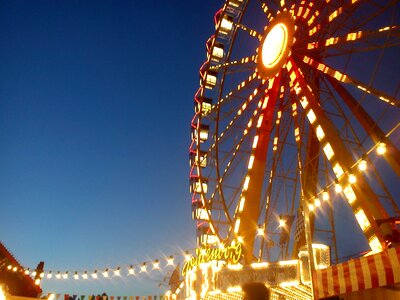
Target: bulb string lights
<point>169,262</point>
<point>348,176</point>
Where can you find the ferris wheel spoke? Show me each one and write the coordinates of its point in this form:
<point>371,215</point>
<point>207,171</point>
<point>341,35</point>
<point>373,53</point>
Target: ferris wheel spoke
<point>240,87</point>
<point>333,16</point>
<point>342,162</point>
<point>347,79</point>
<point>233,154</point>
<point>239,112</point>
<point>392,31</point>
<point>251,32</point>
<point>392,156</point>
<point>242,62</point>
<point>252,185</point>
<point>271,8</point>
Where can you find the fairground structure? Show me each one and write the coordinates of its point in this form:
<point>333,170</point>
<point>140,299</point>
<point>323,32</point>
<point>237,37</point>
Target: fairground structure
<point>294,161</point>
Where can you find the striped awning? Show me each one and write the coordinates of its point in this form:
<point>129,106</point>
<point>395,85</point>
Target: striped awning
<point>358,274</point>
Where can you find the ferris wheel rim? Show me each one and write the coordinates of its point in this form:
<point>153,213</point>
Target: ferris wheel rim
<point>198,142</point>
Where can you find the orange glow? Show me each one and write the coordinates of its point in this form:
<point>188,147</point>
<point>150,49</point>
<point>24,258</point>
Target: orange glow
<point>274,45</point>
<point>2,296</point>
<point>381,148</point>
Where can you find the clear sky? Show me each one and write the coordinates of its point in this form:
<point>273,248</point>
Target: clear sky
<point>95,110</point>
<point>96,99</point>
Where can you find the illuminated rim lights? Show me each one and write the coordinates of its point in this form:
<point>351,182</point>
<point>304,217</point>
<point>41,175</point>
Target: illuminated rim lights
<point>275,45</point>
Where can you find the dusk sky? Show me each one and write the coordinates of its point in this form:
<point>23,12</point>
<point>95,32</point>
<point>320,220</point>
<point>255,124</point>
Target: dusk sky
<point>96,103</point>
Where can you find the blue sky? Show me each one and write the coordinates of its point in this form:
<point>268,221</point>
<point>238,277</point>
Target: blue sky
<point>95,110</point>
<point>96,99</point>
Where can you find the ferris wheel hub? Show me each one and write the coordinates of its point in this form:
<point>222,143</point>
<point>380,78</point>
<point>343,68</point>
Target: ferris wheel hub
<point>275,46</point>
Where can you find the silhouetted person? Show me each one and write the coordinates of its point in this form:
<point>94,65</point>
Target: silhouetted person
<point>255,291</point>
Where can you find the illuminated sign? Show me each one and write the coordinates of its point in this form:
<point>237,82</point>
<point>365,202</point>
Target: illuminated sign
<point>230,254</point>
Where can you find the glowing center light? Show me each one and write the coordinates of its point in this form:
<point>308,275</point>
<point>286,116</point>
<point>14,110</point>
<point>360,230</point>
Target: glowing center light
<point>274,45</point>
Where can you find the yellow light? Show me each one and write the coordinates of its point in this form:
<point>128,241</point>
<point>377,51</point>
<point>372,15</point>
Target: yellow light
<point>234,289</point>
<point>320,133</point>
<point>338,187</point>
<point>131,270</point>
<point>311,207</point>
<point>274,45</point>
<point>288,283</point>
<point>65,276</point>
<point>51,297</point>
<point>288,262</point>
<point>352,178</point>
<point>94,274</point>
<point>251,162</point>
<point>237,224</point>
<point>362,220</point>
<point>117,272</point>
<point>2,296</point>
<point>58,275</point>
<point>282,222</point>
<point>49,275</point>
<point>37,281</point>
<point>255,141</point>
<point>325,196</point>
<point>187,256</point>
<point>362,165</point>
<point>328,151</point>
<point>381,149</point>
<point>217,52</point>
<point>156,265</point>
<point>246,183</point>
<point>241,204</point>
<point>85,275</point>
<point>235,267</point>
<point>240,239</point>
<point>105,273</point>
<point>226,24</point>
<point>349,193</point>
<point>143,268</point>
<point>260,231</point>
<point>259,265</point>
<point>76,276</point>
<point>26,272</point>
<point>311,116</point>
<point>375,245</point>
<point>170,261</point>
<point>317,203</point>
<point>9,267</point>
<point>337,169</point>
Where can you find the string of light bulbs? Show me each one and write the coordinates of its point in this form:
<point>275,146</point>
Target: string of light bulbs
<point>120,271</point>
<point>362,165</point>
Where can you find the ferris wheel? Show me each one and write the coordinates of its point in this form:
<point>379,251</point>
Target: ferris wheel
<point>297,114</point>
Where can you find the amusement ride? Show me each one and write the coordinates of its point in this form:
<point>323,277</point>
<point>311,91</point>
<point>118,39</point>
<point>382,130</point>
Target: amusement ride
<point>294,160</point>
<point>295,135</point>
